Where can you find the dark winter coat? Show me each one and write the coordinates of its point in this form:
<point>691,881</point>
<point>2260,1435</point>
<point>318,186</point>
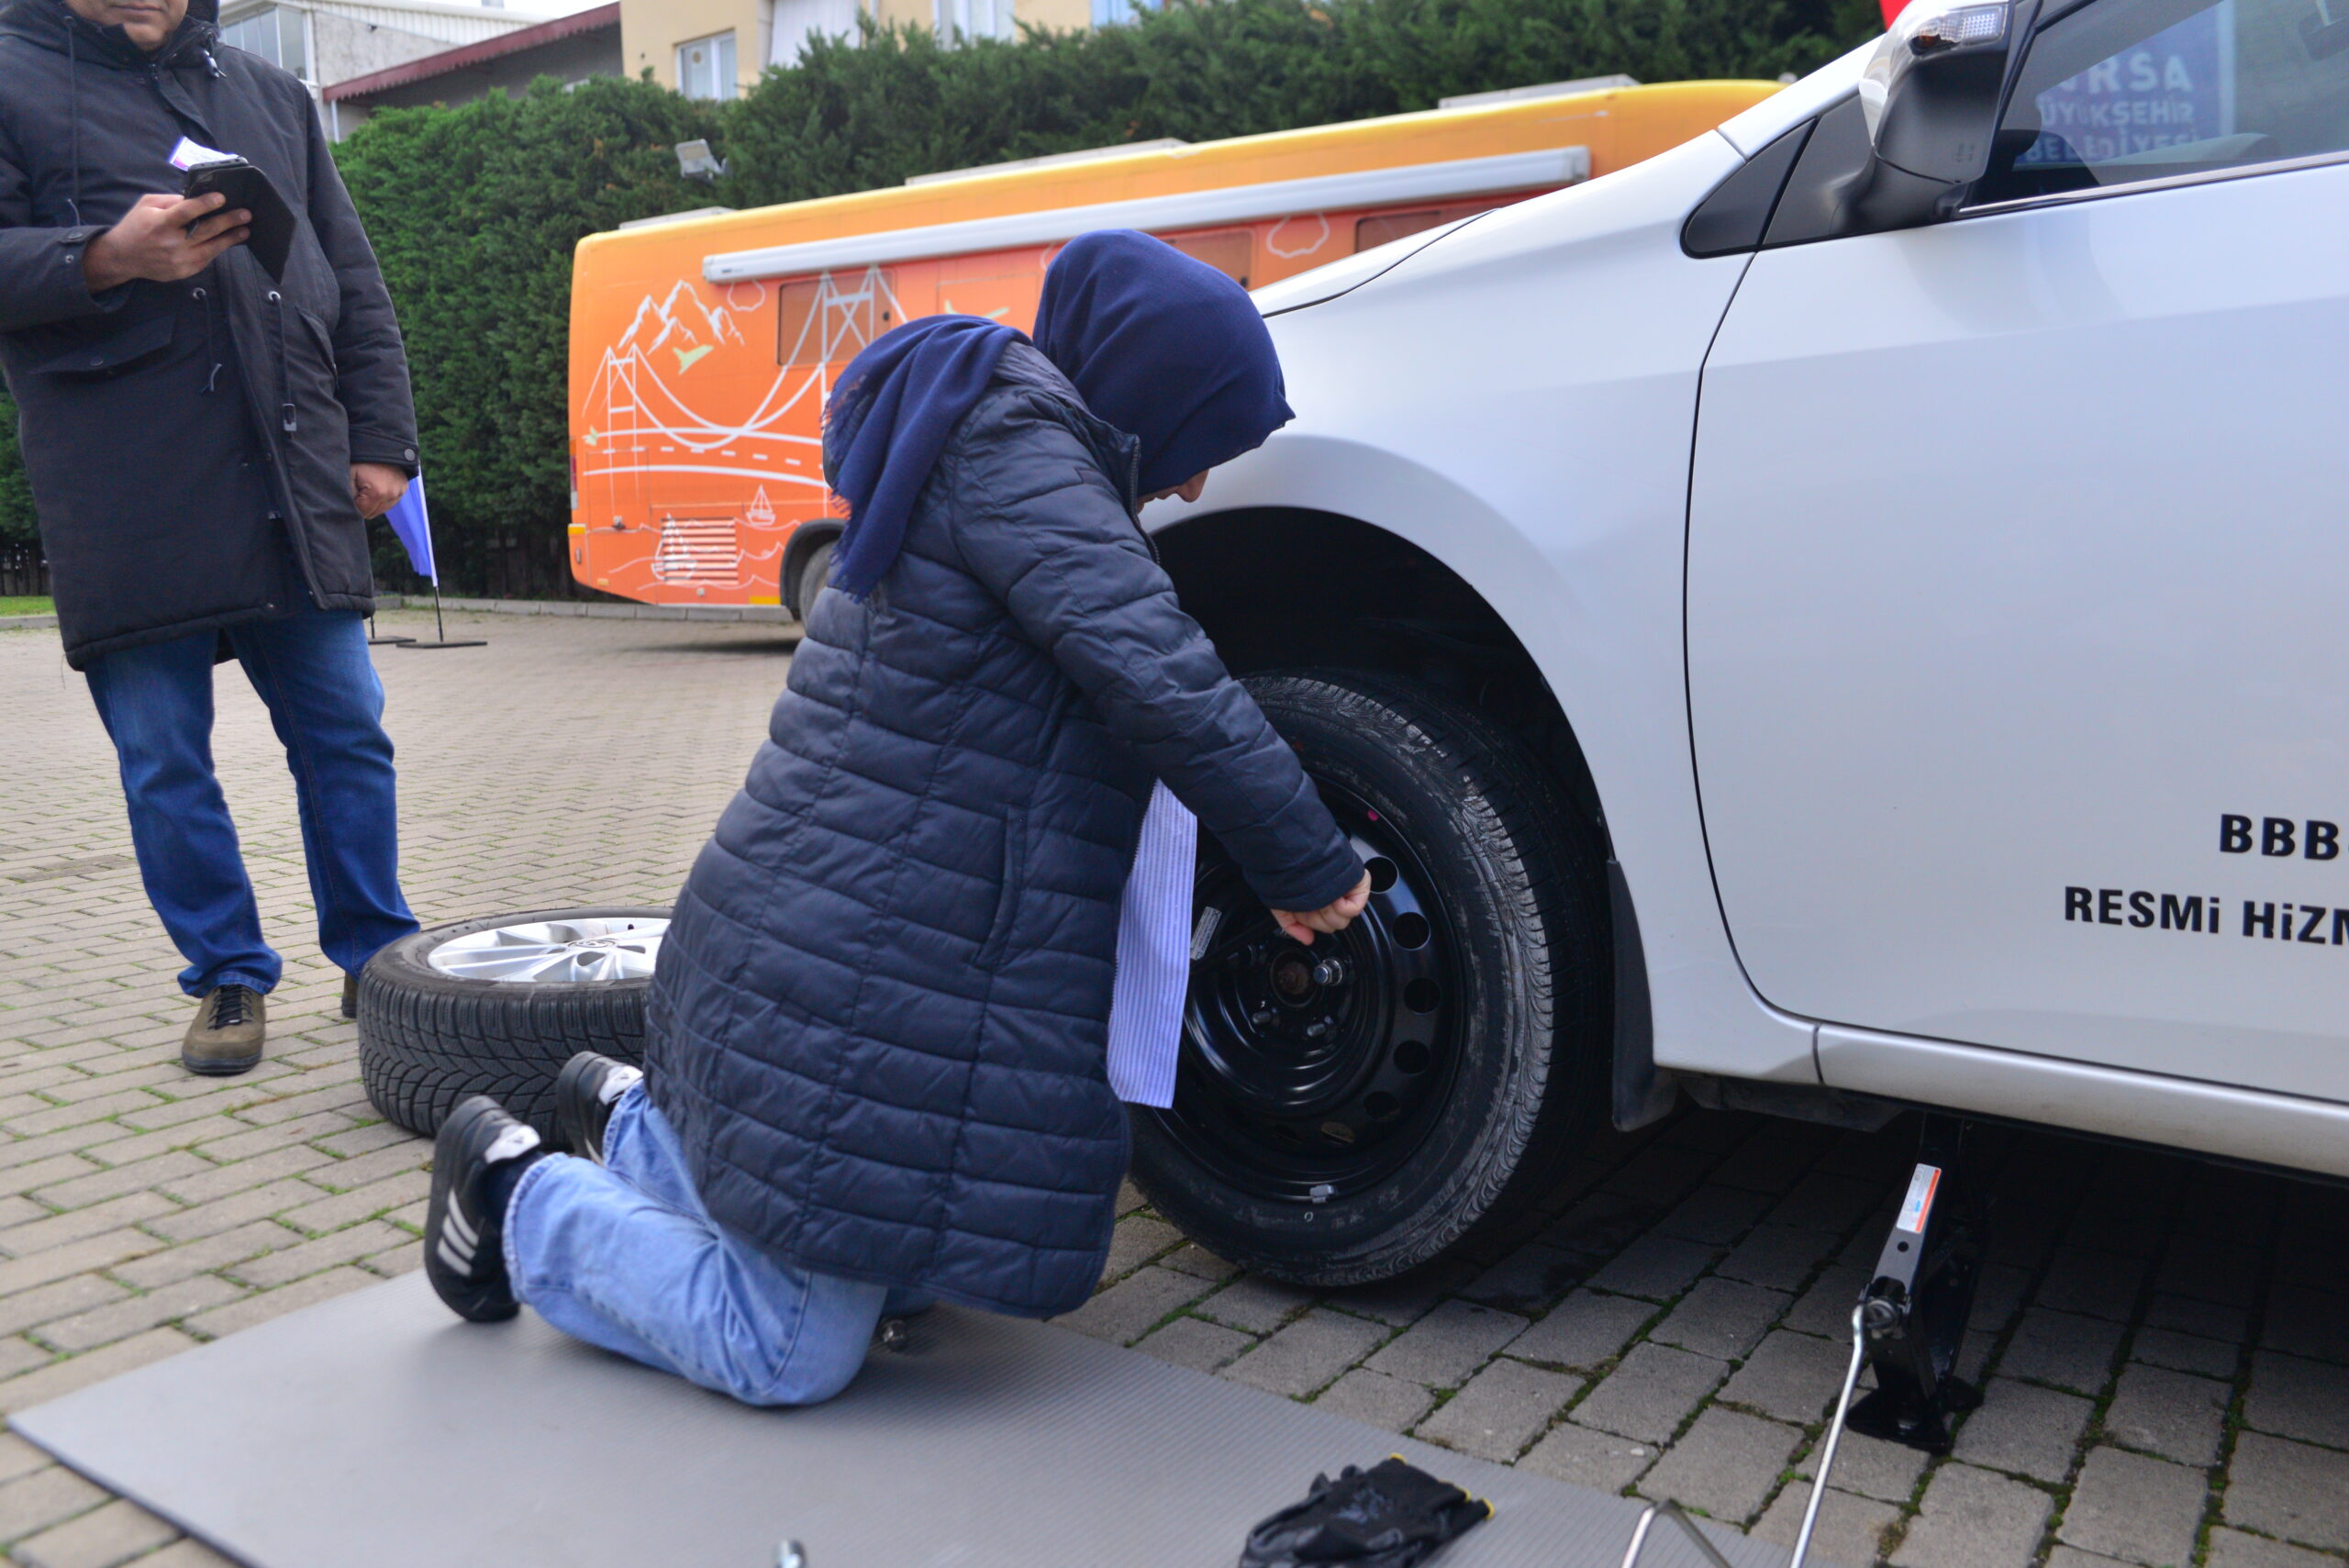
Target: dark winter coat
<point>879,1022</point>
<point>189,444</point>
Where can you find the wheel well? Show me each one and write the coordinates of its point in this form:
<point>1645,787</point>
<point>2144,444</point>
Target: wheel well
<point>1286,587</point>
<point>1283,587</point>
<point>806,539</point>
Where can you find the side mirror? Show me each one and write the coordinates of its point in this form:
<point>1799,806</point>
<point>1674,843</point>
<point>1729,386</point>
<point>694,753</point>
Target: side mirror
<point>1931,96</point>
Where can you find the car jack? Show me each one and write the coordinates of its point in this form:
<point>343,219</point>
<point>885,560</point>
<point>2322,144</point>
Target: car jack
<point>1910,1320</point>
<point>1912,1314</point>
<point>1908,1325</point>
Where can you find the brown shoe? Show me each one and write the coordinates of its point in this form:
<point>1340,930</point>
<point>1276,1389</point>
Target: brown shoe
<point>227,1035</point>
<point>350,996</point>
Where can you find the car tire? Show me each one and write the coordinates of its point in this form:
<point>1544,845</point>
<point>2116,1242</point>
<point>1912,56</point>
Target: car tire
<point>428,1036</point>
<point>1473,996</point>
<point>814,572</point>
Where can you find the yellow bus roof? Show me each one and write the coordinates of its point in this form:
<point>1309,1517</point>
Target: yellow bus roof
<point>1618,126</point>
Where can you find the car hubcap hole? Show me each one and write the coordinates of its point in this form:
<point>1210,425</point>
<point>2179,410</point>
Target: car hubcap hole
<point>1382,873</point>
<point>1293,977</point>
<point>1411,1057</point>
<point>1411,930</point>
<point>1422,996</point>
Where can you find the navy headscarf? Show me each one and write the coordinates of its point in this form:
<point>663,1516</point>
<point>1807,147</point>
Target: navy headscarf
<point>1163,347</point>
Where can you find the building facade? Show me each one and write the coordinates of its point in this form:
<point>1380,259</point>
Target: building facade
<point>569,49</point>
<point>716,49</point>
<point>327,42</point>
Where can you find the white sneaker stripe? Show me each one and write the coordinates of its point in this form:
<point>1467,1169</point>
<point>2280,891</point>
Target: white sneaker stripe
<point>461,1262</point>
<point>519,1138</point>
<point>466,1233</point>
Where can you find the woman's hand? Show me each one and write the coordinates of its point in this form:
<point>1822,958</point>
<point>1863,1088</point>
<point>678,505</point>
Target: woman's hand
<point>1300,924</point>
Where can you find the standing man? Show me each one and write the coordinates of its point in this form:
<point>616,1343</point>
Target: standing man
<point>203,439</point>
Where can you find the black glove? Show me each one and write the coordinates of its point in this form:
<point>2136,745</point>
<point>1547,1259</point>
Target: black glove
<point>1390,1516</point>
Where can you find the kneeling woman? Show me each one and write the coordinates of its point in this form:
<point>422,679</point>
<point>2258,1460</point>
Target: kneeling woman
<point>876,1055</point>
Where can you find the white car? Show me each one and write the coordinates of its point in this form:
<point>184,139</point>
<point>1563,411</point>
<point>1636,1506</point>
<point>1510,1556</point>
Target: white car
<point>1851,613</point>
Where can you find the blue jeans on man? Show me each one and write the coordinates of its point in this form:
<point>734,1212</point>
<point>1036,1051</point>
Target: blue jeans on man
<point>312,670</point>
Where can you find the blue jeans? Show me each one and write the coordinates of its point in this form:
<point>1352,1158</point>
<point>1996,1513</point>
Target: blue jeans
<point>312,670</point>
<point>623,1255</point>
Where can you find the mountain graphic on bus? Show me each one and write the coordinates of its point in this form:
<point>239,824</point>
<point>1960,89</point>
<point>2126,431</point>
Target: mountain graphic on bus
<point>682,324</point>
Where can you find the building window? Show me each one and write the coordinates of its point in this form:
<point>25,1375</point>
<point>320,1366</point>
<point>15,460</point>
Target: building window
<point>1109,13</point>
<point>976,18</point>
<point>705,67</point>
<point>275,34</point>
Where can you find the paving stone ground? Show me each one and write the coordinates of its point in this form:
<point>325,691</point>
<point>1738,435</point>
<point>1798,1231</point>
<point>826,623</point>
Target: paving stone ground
<point>2163,1345</point>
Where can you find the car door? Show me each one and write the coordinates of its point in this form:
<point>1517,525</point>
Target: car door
<point>2018,591</point>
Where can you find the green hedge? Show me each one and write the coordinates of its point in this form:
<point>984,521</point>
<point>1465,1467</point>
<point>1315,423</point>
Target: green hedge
<point>853,117</point>
<point>16,497</point>
<point>474,210</point>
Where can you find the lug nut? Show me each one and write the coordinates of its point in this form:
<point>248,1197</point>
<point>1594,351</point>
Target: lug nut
<point>1330,972</point>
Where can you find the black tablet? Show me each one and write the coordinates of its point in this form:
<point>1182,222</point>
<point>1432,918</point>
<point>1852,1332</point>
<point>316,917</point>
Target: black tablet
<point>247,187</point>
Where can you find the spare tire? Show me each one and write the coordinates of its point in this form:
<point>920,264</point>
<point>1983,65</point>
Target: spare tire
<point>495,1006</point>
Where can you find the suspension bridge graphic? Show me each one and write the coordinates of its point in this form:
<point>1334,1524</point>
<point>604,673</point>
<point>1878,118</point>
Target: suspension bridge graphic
<point>723,485</point>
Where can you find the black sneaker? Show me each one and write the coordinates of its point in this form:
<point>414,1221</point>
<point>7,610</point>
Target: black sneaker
<point>350,996</point>
<point>473,1162</point>
<point>584,1093</point>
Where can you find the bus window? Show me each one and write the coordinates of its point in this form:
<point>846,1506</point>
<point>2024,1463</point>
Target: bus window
<point>1227,250</point>
<point>825,320</point>
<point>1003,287</point>
<point>1372,233</point>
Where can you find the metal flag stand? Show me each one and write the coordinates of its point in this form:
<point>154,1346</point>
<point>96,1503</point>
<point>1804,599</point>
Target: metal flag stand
<point>413,523</point>
<point>375,639</point>
<point>439,626</point>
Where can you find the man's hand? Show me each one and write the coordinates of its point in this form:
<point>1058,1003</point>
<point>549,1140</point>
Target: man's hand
<point>1300,924</point>
<point>164,239</point>
<point>375,487</point>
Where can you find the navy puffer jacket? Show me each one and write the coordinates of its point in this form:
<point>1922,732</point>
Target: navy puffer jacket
<point>880,1019</point>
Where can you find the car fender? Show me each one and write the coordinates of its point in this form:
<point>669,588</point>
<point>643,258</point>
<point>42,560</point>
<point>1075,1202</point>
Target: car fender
<point>1518,400</point>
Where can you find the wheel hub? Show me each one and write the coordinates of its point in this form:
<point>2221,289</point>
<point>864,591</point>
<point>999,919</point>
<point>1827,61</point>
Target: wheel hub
<point>1292,977</point>
<point>1310,1072</point>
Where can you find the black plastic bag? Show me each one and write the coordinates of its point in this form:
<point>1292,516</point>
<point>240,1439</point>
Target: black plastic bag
<point>1390,1515</point>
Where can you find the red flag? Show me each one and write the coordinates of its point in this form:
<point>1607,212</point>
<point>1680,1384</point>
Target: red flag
<point>1892,9</point>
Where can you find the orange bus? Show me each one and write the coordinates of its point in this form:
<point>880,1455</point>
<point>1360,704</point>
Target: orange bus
<point>703,348</point>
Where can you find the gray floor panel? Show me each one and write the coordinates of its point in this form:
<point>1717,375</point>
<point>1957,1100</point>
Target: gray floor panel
<point>375,1431</point>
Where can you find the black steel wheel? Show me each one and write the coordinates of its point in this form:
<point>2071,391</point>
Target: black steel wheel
<point>1349,1110</point>
<point>1315,1072</point>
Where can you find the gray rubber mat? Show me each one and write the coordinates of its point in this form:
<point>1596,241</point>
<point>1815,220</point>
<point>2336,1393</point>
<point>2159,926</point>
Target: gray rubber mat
<point>376,1431</point>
